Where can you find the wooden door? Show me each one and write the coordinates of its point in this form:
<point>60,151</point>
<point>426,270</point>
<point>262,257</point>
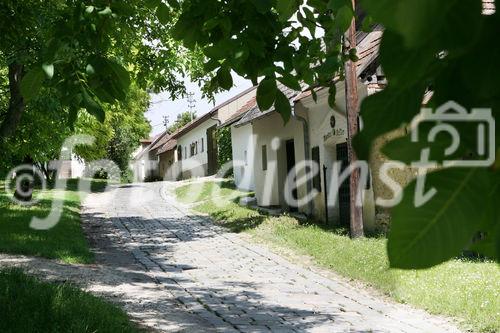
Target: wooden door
<point>211,151</point>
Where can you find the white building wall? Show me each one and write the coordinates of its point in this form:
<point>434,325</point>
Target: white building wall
<point>77,167</point>
<point>325,137</point>
<point>195,165</point>
<point>243,147</point>
<point>227,111</point>
<point>273,133</point>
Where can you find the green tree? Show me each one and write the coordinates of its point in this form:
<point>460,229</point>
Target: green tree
<point>118,136</point>
<point>182,119</point>
<point>87,53</point>
<point>224,146</point>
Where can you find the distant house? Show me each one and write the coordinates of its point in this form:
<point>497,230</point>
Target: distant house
<point>145,162</point>
<point>270,150</point>
<point>192,150</point>
<point>68,169</point>
<point>243,148</point>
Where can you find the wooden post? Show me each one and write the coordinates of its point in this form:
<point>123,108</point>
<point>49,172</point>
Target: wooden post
<point>352,109</point>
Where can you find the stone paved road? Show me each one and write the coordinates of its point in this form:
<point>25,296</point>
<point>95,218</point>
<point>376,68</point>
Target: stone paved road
<point>225,283</point>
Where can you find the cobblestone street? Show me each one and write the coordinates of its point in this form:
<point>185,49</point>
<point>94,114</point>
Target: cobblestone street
<point>227,283</point>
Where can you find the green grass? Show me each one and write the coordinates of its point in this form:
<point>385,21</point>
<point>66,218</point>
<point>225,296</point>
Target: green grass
<point>197,192</point>
<point>466,290</point>
<point>65,241</point>
<point>29,305</point>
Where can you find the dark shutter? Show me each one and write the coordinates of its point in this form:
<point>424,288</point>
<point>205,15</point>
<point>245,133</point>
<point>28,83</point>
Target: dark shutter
<point>317,177</point>
<point>264,157</point>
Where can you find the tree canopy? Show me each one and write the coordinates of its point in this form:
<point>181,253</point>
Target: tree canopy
<point>182,119</point>
<point>88,54</point>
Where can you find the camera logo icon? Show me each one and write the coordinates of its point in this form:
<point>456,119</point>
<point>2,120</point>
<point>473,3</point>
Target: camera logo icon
<point>452,118</point>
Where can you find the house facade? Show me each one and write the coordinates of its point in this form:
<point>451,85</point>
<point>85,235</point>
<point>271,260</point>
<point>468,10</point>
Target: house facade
<point>145,162</point>
<point>192,150</point>
<point>280,152</point>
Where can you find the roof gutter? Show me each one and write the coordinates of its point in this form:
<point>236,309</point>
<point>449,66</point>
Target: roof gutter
<point>307,153</point>
<point>217,120</point>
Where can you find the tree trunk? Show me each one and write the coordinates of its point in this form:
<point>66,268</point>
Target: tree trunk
<point>16,102</point>
<point>352,106</point>
<point>24,189</point>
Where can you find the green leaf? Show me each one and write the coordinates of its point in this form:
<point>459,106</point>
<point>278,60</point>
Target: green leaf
<point>405,150</point>
<point>93,107</point>
<point>399,106</point>
<point>290,81</point>
<point>224,78</point>
<point>163,13</point>
<point>152,4</point>
<point>402,65</point>
<point>89,69</point>
<point>48,70</point>
<point>437,25</point>
<point>332,92</point>
<point>266,93</point>
<point>111,80</point>
<point>367,24</point>
<point>343,17</point>
<point>353,55</point>
<point>89,9</point>
<point>488,246</point>
<point>174,4</point>
<point>32,83</point>
<point>106,11</point>
<point>72,116</point>
<point>283,106</point>
<point>439,230</point>
<point>286,8</point>
<point>337,4</point>
<point>263,6</point>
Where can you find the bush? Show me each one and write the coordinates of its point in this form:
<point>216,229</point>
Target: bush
<point>127,176</point>
<point>153,178</point>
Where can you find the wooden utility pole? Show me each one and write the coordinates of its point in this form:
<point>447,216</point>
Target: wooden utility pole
<point>352,109</point>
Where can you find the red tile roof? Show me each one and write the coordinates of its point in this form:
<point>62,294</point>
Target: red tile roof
<point>168,146</point>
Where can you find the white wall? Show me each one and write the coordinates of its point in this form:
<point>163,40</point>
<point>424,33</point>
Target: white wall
<point>272,132</point>
<point>323,136</point>
<point>227,111</point>
<point>77,167</point>
<point>195,164</point>
<point>243,146</point>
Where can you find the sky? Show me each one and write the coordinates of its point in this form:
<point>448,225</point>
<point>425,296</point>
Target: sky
<point>162,105</point>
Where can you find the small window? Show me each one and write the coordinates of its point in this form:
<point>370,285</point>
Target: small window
<point>246,157</point>
<point>192,148</point>
<point>185,152</point>
<point>202,145</point>
<point>317,177</point>
<point>264,157</point>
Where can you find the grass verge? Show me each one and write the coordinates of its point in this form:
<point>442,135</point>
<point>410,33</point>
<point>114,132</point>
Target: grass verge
<point>29,305</point>
<point>65,241</point>
<point>466,290</point>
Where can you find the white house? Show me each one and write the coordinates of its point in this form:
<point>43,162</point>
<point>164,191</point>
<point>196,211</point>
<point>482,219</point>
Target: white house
<point>70,168</point>
<point>243,148</point>
<point>145,162</point>
<point>315,132</point>
<point>192,150</point>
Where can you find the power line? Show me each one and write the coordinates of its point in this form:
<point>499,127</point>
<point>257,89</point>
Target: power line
<point>191,104</point>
